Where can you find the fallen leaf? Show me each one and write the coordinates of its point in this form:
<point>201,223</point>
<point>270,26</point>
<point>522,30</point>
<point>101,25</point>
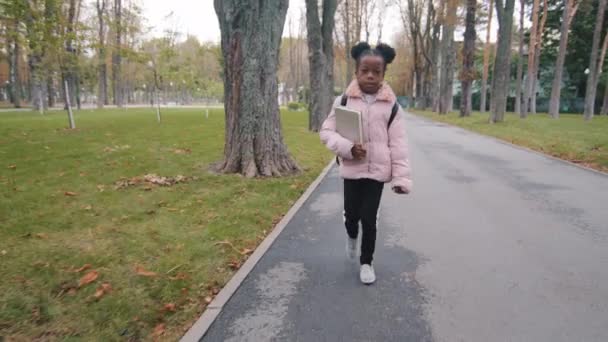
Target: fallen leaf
<point>208,299</point>
<point>101,187</point>
<point>172,209</point>
<point>69,193</point>
<point>41,236</point>
<point>87,207</point>
<point>88,278</point>
<point>12,167</point>
<point>234,265</point>
<point>159,330</point>
<point>179,276</point>
<point>169,307</point>
<point>142,272</point>
<point>3,252</point>
<point>83,268</point>
<point>246,251</point>
<point>102,290</point>
<point>82,174</point>
<point>215,291</point>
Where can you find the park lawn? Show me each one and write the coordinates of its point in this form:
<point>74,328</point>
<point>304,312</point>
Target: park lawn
<point>157,247</point>
<point>570,138</point>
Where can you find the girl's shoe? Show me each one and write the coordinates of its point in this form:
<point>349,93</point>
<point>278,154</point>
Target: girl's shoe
<point>368,276</point>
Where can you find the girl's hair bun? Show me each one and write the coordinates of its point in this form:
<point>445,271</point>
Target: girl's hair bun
<point>358,49</point>
<point>387,52</point>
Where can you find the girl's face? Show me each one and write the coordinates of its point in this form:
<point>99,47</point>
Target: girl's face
<point>370,74</point>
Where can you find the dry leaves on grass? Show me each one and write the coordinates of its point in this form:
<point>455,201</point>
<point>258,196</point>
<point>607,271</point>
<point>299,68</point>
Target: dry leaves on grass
<point>182,151</point>
<point>70,193</point>
<point>244,252</point>
<point>83,268</point>
<point>169,307</point>
<point>151,179</point>
<point>102,290</point>
<point>88,278</point>
<point>159,330</point>
<point>143,272</point>
<point>12,167</point>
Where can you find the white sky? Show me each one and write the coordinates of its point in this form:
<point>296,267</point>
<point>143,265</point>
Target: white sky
<point>197,17</point>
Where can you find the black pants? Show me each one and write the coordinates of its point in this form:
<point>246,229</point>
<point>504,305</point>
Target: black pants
<point>361,202</point>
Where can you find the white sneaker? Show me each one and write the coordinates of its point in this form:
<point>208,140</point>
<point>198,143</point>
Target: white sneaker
<point>368,276</point>
<point>351,248</point>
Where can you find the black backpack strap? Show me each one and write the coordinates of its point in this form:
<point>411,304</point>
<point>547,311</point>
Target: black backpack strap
<point>393,114</point>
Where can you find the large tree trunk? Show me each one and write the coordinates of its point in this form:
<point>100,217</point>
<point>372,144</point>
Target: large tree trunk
<point>561,58</point>
<point>69,67</point>
<point>102,87</point>
<point>251,37</point>
<point>347,44</point>
<point>468,59</point>
<point>539,42</point>
<point>447,70</point>
<point>14,72</point>
<point>604,110</point>
<point>435,52</point>
<point>520,60</point>
<point>486,61</point>
<point>502,65</point>
<point>530,76</point>
<point>593,63</point>
<point>117,87</point>
<point>321,59</point>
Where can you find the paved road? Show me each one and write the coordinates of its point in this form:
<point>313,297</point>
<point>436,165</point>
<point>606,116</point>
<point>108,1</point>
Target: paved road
<point>495,244</point>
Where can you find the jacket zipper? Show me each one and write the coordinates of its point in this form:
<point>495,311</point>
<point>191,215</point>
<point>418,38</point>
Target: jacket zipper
<point>369,140</point>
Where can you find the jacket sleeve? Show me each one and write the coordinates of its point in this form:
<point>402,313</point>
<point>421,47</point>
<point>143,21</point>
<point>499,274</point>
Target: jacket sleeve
<point>334,141</point>
<point>400,163</point>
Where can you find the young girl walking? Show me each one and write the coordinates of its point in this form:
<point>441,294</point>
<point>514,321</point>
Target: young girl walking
<point>383,156</point>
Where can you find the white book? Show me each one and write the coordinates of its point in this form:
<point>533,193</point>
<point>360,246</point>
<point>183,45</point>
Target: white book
<point>348,124</point>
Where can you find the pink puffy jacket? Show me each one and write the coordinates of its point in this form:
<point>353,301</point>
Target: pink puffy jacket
<point>387,152</point>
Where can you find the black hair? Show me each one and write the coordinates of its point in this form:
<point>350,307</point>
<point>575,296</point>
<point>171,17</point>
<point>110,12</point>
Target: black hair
<point>363,49</point>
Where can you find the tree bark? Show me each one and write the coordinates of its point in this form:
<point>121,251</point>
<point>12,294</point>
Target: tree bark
<point>14,72</point>
<point>102,73</point>
<point>321,60</point>
<point>468,59</point>
<point>593,63</point>
<point>561,58</point>
<point>347,44</point>
<point>117,88</point>
<point>486,61</point>
<point>435,55</point>
<point>251,37</point>
<point>539,42</point>
<point>502,65</point>
<point>604,110</point>
<point>530,76</point>
<point>520,61</point>
<point>447,71</point>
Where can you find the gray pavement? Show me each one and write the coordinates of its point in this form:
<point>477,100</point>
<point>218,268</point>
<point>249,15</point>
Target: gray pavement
<point>495,244</point>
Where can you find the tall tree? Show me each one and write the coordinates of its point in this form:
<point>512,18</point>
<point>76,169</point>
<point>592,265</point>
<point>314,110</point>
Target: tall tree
<point>117,86</point>
<point>486,59</point>
<point>570,8</point>
<point>520,60</point>
<point>321,59</point>
<point>531,76</point>
<point>468,59</point>
<point>251,37</point>
<point>102,73</point>
<point>411,16</point>
<point>594,71</point>
<point>539,42</point>
<point>502,65</point>
<point>447,57</point>
<point>70,60</point>
<point>435,52</point>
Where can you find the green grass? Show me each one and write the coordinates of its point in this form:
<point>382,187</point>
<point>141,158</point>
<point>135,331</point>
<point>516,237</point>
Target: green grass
<point>173,231</point>
<point>570,137</point>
